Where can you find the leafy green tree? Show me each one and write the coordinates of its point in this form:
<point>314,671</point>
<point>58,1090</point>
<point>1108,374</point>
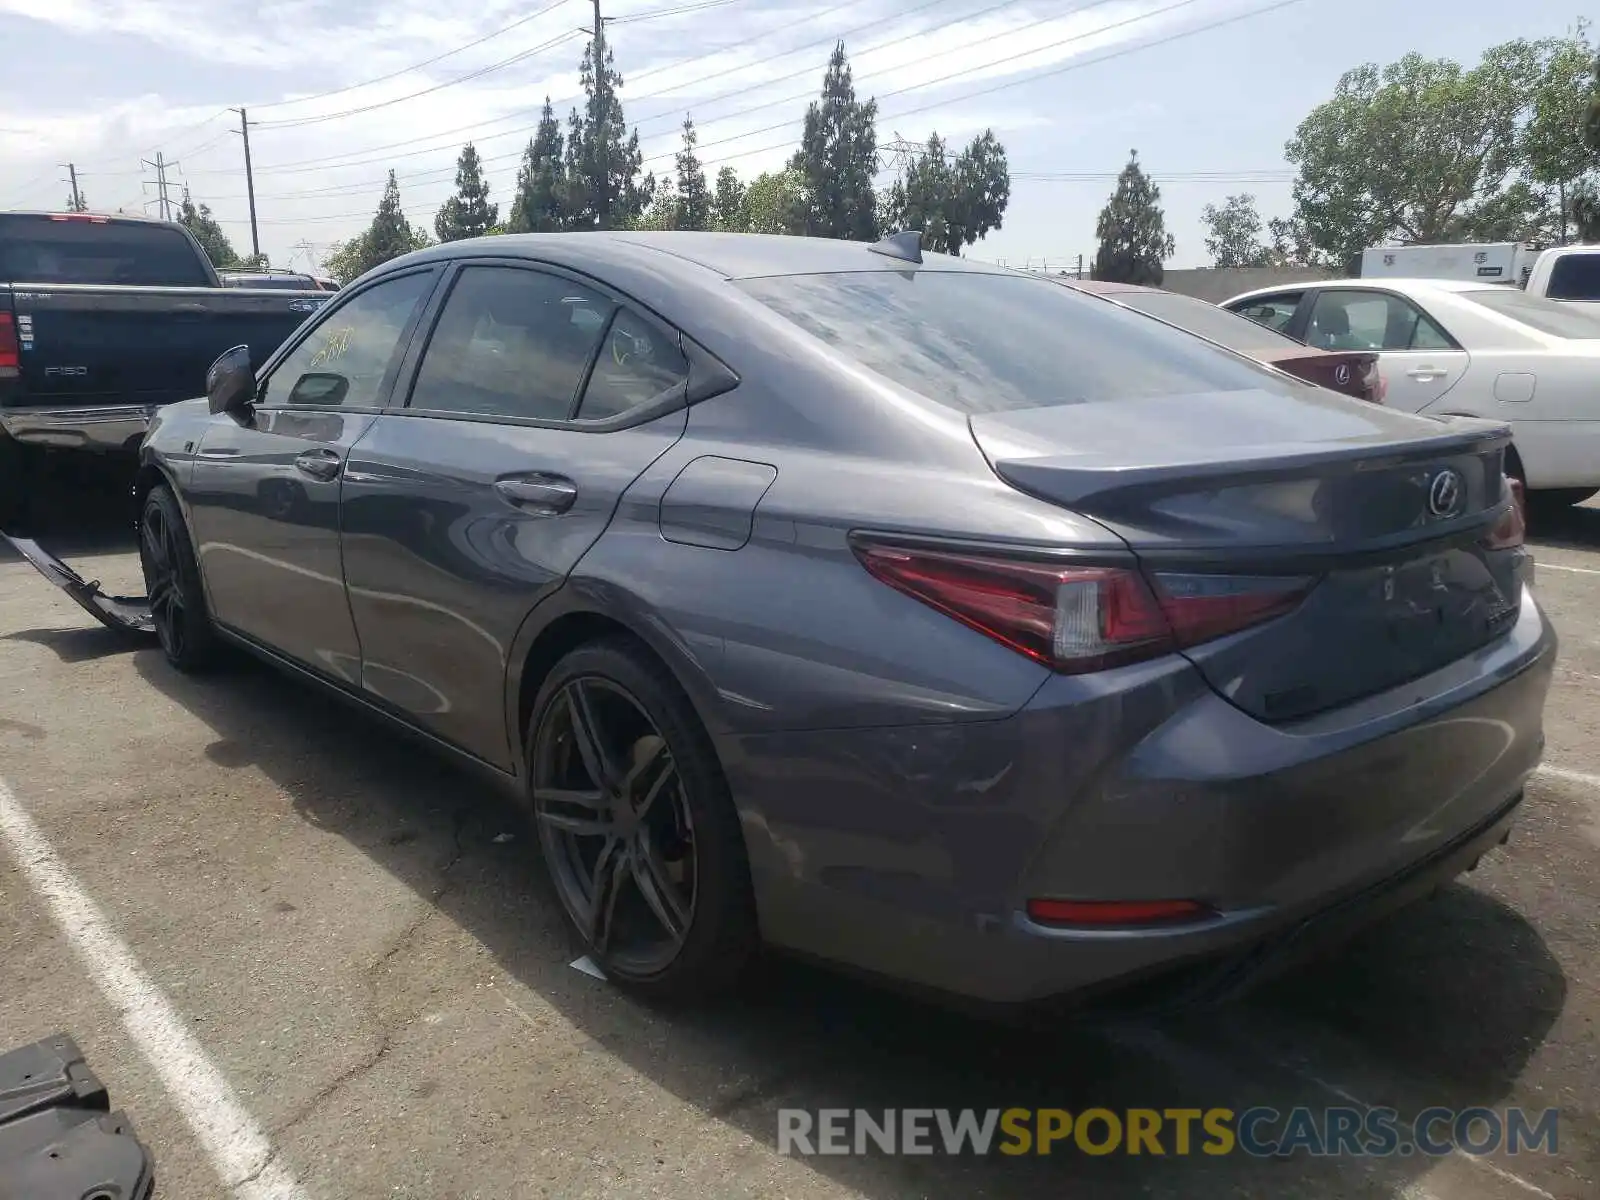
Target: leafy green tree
<point>728,204</point>
<point>604,188</point>
<point>837,160</point>
<point>207,232</point>
<point>1422,150</point>
<point>388,237</point>
<point>694,194</point>
<point>1234,233</point>
<point>1134,241</point>
<point>1559,167</point>
<point>468,213</point>
<point>771,201</point>
<point>541,201</point>
<point>953,199</point>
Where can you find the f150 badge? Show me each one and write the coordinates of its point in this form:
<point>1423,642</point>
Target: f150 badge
<point>66,372</point>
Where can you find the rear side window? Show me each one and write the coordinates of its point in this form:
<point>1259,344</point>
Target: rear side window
<point>1575,277</point>
<point>1557,320</point>
<point>990,343</point>
<point>511,342</point>
<point>638,365</point>
<point>39,250</point>
<point>1207,320</point>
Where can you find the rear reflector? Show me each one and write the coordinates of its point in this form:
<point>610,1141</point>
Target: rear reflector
<point>1077,619</point>
<point>10,351</point>
<point>1103,913</point>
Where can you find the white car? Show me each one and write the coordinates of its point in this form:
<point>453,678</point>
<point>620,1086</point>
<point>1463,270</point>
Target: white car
<point>1456,348</point>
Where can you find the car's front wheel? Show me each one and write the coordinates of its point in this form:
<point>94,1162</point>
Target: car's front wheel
<point>172,582</point>
<point>637,826</point>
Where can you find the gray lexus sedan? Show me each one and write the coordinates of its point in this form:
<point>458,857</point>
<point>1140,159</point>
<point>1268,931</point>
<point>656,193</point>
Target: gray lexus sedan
<point>900,611</point>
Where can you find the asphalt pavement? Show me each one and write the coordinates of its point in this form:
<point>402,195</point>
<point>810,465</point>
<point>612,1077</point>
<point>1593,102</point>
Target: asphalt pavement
<point>351,951</point>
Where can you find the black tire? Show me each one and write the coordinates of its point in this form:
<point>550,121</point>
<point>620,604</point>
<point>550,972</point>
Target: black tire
<point>720,935</point>
<point>15,481</point>
<point>172,581</point>
<point>1552,502</point>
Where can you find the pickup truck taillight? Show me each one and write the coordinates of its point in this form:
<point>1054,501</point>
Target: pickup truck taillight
<point>10,351</point>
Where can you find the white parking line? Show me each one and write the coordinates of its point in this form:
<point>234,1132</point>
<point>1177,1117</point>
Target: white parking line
<point>1541,565</point>
<point>1570,776</point>
<point>236,1146</point>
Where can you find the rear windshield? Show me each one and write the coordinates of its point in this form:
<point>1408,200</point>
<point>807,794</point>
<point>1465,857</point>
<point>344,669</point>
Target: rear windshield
<point>1209,321</point>
<point>1557,320</point>
<point>1575,277</point>
<point>35,249</point>
<point>991,343</point>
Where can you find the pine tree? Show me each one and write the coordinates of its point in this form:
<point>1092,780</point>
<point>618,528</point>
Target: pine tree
<point>604,190</point>
<point>77,202</point>
<point>468,213</point>
<point>207,232</point>
<point>728,210</point>
<point>1132,231</point>
<point>540,206</point>
<point>837,160</point>
<point>694,195</point>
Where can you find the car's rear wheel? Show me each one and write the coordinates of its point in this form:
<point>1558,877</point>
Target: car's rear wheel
<point>172,582</point>
<point>637,826</point>
<point>1551,502</point>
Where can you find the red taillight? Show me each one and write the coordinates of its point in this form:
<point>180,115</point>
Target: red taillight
<point>10,352</point>
<point>1513,527</point>
<point>1077,619</point>
<point>92,218</point>
<point>1116,912</point>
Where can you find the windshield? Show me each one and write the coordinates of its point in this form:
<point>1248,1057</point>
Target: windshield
<point>991,343</point>
<point>1209,321</point>
<point>1574,277</point>
<point>38,249</point>
<point>1557,320</point>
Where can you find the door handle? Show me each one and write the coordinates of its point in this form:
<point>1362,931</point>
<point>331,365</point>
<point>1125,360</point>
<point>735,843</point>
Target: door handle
<point>542,495</point>
<point>1424,374</point>
<point>319,464</point>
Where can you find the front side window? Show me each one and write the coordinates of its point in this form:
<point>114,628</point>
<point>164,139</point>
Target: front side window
<point>981,342</point>
<point>343,360</point>
<point>511,342</point>
<point>1346,319</point>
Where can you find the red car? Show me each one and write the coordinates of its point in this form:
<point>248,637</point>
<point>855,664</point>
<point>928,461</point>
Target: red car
<point>1353,372</point>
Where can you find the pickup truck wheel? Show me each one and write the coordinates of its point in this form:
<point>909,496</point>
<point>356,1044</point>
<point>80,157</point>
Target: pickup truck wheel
<point>172,581</point>
<point>13,486</point>
<point>637,826</point>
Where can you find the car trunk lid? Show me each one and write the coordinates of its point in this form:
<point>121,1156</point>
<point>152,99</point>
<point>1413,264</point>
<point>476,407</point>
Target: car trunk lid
<point>1353,372</point>
<point>1385,514</point>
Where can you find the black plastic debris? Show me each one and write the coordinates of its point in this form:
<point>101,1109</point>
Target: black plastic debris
<point>58,1138</point>
<point>126,614</point>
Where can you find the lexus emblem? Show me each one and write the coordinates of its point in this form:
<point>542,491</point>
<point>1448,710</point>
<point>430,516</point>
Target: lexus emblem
<point>1341,374</point>
<point>1444,493</point>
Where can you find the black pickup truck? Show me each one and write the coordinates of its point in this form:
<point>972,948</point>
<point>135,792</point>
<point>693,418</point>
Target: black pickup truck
<point>105,318</point>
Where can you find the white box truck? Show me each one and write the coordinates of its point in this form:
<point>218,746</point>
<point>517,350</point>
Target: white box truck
<point>1483,262</point>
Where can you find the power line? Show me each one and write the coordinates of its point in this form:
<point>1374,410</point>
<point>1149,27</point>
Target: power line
<point>297,122</point>
<point>427,62</point>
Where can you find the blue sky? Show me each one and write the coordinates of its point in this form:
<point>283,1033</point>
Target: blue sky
<point>105,83</point>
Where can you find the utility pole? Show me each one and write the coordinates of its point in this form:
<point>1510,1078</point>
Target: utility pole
<point>602,156</point>
<point>160,165</point>
<point>77,197</point>
<point>1080,266</point>
<point>250,179</point>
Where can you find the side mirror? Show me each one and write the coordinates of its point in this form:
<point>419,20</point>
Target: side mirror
<point>231,382</point>
<point>317,388</point>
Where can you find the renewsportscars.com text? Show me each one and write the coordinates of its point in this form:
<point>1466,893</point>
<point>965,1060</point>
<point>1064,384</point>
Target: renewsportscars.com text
<point>1260,1132</point>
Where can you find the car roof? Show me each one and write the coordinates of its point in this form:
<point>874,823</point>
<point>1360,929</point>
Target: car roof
<point>731,255</point>
<point>1102,287</point>
<point>1399,283</point>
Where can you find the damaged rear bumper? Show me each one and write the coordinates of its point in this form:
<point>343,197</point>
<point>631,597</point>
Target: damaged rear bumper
<point>126,614</point>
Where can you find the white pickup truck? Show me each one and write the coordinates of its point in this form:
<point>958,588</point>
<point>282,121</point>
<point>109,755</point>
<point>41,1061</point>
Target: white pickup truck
<point>1570,274</point>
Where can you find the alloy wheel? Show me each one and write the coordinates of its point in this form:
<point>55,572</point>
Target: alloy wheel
<point>158,542</point>
<point>616,826</point>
